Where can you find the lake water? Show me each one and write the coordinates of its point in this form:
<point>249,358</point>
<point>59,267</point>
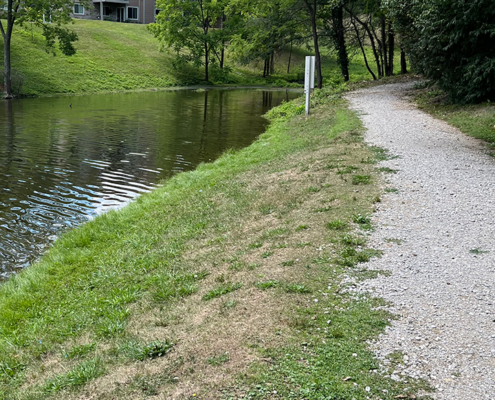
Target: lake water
<point>64,160</point>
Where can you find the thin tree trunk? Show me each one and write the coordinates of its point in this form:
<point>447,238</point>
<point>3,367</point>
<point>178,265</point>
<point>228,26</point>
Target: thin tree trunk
<point>222,55</point>
<point>312,14</point>
<point>391,48</point>
<point>265,68</point>
<point>372,40</point>
<point>207,62</point>
<point>272,64</point>
<point>384,46</point>
<point>362,49</point>
<point>290,56</point>
<point>403,63</point>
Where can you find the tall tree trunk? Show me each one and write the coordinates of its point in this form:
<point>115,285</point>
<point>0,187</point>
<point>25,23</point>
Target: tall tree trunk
<point>222,54</point>
<point>339,40</point>
<point>290,56</point>
<point>265,69</point>
<point>383,31</point>
<point>7,75</point>
<point>7,38</point>
<point>207,62</point>
<point>312,14</point>
<point>362,48</point>
<point>403,63</point>
<point>391,48</point>
<point>272,64</point>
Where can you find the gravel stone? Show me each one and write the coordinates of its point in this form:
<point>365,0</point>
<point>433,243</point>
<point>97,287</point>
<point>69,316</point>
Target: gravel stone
<point>443,271</point>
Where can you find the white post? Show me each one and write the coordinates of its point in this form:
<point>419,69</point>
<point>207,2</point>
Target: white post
<point>309,79</point>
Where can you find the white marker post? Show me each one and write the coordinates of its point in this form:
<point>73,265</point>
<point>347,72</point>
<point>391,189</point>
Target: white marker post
<point>309,79</point>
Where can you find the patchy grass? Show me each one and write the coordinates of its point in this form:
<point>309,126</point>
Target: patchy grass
<point>118,291</point>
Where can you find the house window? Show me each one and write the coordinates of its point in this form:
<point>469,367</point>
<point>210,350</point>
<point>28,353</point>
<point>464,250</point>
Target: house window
<point>157,11</point>
<point>78,9</point>
<point>107,10</point>
<point>132,13</point>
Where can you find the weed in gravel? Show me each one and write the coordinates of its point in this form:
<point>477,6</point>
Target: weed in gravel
<point>388,170</point>
<point>391,190</point>
<point>394,240</point>
<point>478,251</point>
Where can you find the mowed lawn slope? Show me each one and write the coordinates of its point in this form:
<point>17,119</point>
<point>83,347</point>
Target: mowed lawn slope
<point>115,57</point>
<point>110,57</point>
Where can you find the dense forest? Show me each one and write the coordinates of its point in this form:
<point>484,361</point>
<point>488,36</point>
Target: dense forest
<point>448,41</point>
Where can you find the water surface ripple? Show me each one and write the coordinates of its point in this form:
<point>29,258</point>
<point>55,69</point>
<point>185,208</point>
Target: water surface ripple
<point>66,160</point>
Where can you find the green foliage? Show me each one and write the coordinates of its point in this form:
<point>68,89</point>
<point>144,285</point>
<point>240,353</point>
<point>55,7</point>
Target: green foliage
<point>285,111</point>
<point>451,42</point>
<point>189,26</point>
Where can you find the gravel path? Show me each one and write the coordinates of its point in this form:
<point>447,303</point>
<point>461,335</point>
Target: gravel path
<point>443,270</point>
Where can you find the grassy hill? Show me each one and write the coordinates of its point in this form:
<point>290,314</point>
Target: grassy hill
<point>117,57</point>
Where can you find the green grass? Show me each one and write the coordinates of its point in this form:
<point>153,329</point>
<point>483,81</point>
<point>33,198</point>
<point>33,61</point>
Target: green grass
<point>222,290</point>
<point>78,376</point>
<point>110,292</point>
<point>477,120</point>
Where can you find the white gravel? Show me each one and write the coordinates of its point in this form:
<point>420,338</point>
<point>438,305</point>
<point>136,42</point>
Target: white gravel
<point>445,207</point>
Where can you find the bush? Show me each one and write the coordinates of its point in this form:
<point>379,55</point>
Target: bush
<point>451,42</point>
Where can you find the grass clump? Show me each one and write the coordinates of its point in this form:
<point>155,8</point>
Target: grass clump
<point>361,179</point>
<point>267,285</point>
<point>337,225</point>
<point>79,351</point>
<point>141,351</point>
<point>222,290</point>
<point>218,360</point>
<point>297,288</point>
<point>78,376</point>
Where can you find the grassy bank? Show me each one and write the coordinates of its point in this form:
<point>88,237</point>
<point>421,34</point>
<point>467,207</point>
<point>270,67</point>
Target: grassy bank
<point>476,120</point>
<point>117,57</point>
<point>226,282</point>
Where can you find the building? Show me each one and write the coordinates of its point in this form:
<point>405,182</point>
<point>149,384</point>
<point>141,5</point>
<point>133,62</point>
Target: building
<point>133,11</point>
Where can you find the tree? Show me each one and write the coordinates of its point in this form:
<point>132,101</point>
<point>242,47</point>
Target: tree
<point>267,27</point>
<point>50,15</point>
<point>451,42</point>
<point>191,25</point>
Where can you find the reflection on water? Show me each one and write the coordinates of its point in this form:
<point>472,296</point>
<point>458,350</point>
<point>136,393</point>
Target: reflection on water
<point>62,164</point>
